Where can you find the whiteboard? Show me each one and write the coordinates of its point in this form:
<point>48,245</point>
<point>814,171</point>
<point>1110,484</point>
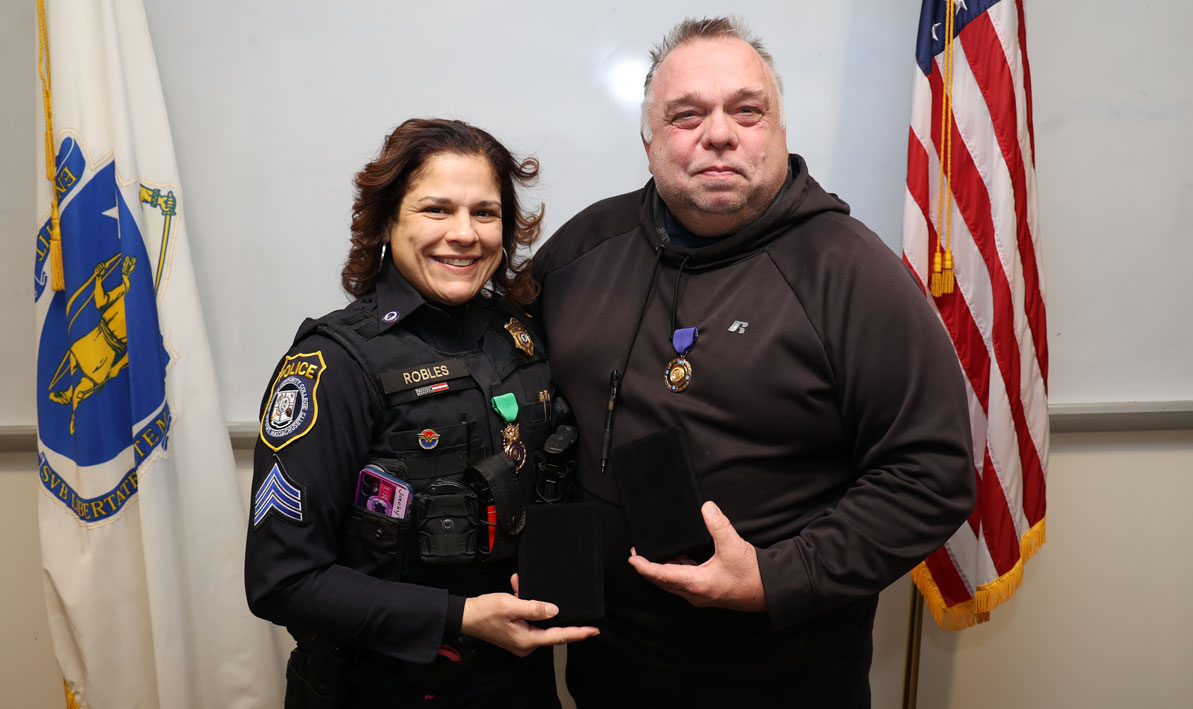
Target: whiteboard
<point>275,105</point>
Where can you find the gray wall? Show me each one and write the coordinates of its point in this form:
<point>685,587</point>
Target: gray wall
<point>274,105</point>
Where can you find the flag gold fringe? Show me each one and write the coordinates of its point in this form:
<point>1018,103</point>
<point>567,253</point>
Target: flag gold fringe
<point>988,596</point>
<point>71,702</point>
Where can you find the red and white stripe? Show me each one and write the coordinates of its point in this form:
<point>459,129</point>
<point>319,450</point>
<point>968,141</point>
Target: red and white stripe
<point>995,316</point>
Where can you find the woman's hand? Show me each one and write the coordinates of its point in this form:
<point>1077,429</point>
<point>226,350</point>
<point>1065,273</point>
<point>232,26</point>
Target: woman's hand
<point>501,619</point>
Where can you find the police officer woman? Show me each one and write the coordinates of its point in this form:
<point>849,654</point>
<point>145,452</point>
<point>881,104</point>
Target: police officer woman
<point>398,441</point>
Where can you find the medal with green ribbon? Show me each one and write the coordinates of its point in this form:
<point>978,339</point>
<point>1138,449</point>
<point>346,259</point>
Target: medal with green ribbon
<point>507,406</point>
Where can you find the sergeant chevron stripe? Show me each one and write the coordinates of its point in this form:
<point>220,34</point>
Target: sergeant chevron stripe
<point>278,494</point>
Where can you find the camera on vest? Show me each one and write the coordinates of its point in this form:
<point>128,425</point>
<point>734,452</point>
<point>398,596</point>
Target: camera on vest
<point>554,475</point>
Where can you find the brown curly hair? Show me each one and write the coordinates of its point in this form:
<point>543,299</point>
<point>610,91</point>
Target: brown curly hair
<point>381,185</point>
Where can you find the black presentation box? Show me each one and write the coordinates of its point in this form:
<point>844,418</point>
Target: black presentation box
<point>661,497</point>
<point>559,560</point>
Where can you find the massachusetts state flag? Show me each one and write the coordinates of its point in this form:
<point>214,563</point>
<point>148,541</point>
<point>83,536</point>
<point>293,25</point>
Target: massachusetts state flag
<point>141,516</point>
<point>971,236</point>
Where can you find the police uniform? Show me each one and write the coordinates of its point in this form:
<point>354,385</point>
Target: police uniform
<point>372,584</point>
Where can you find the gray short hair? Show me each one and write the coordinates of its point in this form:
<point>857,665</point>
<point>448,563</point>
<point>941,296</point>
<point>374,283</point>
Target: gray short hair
<point>691,29</point>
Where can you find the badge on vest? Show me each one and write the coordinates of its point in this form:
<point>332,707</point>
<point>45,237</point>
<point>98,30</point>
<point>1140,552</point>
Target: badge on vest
<point>521,337</point>
<point>428,439</point>
<point>292,408</point>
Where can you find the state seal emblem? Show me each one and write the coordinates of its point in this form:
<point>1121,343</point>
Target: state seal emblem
<point>101,364</point>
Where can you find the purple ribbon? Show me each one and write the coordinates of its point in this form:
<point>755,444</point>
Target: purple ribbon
<point>683,339</point>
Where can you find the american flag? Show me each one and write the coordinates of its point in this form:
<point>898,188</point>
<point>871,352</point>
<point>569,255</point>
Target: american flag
<point>977,214</point>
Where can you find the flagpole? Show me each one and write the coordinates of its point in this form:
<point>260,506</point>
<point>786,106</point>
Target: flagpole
<point>911,665</point>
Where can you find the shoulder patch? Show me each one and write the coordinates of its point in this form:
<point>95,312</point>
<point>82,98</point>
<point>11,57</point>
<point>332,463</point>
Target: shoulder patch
<point>292,408</point>
<point>280,495</point>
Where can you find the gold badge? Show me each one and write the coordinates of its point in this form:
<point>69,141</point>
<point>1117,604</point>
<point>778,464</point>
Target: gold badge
<point>521,337</point>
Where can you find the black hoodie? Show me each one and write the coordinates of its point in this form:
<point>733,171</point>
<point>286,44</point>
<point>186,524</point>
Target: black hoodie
<point>826,408</point>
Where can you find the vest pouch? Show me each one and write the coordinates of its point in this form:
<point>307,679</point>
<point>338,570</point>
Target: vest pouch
<point>503,506</point>
<point>375,544</point>
<point>446,670</point>
<point>447,518</point>
<point>536,422</point>
<point>304,693</point>
<point>429,453</point>
<point>316,675</point>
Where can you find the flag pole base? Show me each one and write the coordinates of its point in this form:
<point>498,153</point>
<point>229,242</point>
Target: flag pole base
<point>911,664</point>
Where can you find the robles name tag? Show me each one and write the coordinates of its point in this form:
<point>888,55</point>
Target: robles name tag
<point>425,378</point>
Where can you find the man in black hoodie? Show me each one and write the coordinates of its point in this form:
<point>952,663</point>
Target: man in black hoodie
<point>734,299</point>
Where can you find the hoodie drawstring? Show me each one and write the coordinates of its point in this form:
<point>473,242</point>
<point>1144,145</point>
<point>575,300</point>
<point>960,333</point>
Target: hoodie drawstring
<point>615,375</point>
<point>675,296</point>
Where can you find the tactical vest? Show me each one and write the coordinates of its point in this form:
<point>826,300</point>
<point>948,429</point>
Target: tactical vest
<point>436,429</point>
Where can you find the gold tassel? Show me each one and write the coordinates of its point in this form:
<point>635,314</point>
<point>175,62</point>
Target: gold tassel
<point>57,276</point>
<point>947,281</point>
<point>943,281</point>
<point>935,283</point>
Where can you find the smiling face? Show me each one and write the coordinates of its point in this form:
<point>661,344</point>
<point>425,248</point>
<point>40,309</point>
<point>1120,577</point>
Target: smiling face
<point>446,236</point>
<point>718,149</point>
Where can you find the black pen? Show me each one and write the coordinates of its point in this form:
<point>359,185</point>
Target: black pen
<point>614,379</point>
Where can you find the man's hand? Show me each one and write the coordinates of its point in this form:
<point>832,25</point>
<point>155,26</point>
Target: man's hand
<point>730,579</point>
<point>501,619</point>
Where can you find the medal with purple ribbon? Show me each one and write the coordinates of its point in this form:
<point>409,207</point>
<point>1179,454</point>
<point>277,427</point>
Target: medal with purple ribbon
<point>679,370</point>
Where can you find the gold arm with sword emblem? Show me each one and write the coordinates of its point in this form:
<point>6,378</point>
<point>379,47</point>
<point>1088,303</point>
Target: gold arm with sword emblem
<point>168,204</point>
<point>108,266</point>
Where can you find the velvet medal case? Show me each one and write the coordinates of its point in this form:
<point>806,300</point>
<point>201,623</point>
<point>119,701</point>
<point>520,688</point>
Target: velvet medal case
<point>661,497</point>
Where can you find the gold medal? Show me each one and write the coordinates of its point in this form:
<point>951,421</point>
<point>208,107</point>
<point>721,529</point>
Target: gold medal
<point>678,374</point>
<point>514,449</point>
<point>507,406</point>
<point>679,371</point>
<point>521,336</point>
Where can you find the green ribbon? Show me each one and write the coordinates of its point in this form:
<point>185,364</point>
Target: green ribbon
<point>507,406</point>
